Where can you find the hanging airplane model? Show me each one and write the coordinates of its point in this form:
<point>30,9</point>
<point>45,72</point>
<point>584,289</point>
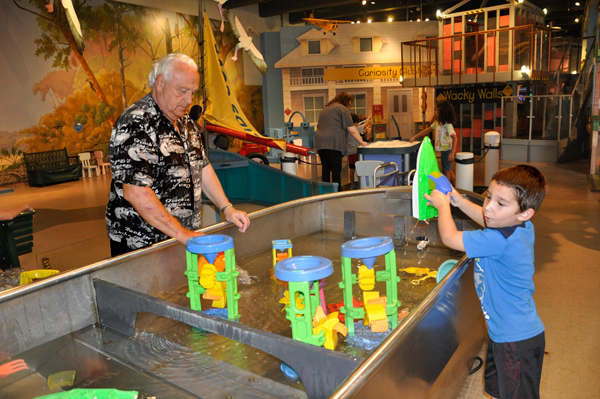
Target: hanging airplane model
<point>328,25</point>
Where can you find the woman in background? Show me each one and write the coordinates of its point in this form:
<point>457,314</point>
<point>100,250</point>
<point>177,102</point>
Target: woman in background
<point>335,123</point>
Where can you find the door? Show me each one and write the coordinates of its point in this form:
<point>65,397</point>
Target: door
<point>400,110</point>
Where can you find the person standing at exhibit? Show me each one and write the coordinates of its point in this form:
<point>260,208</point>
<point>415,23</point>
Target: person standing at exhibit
<point>335,124</point>
<point>159,167</point>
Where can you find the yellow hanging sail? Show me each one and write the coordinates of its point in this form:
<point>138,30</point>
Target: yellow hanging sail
<point>222,108</point>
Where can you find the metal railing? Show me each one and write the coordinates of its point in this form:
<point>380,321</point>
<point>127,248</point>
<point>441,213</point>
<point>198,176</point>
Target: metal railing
<point>475,53</point>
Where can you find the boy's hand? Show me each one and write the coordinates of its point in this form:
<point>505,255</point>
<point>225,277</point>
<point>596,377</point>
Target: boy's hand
<point>455,198</point>
<point>437,199</point>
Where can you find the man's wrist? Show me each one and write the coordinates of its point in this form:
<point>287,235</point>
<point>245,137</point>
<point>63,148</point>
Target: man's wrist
<point>226,206</point>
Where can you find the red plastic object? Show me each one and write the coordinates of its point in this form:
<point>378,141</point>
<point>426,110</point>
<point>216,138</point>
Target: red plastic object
<point>247,148</point>
<point>296,149</point>
<point>335,307</point>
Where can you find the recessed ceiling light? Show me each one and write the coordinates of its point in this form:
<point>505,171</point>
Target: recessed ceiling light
<point>364,2</point>
<point>358,22</point>
<point>577,3</point>
<point>576,19</point>
<point>418,19</point>
<point>390,19</point>
<point>369,20</point>
<point>426,19</point>
<point>545,10</point>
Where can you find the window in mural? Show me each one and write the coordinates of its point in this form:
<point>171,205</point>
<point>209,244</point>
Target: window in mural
<point>314,47</point>
<point>359,105</point>
<point>313,107</point>
<point>366,44</point>
<point>313,76</point>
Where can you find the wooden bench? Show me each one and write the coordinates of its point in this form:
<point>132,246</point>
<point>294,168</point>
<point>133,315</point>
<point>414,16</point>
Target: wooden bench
<point>50,167</point>
<point>16,238</point>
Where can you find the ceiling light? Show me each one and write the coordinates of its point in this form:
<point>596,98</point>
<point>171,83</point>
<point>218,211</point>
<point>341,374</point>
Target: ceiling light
<point>426,19</point>
<point>369,20</point>
<point>390,19</point>
<point>438,13</point>
<point>520,1</point>
<point>577,3</point>
<point>545,10</point>
<point>352,21</point>
<point>576,19</point>
<point>364,2</point>
<point>358,22</point>
<point>418,19</point>
<point>372,2</point>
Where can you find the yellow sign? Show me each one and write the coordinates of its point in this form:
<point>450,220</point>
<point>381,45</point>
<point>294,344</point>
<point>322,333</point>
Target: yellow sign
<point>363,73</point>
<point>507,91</point>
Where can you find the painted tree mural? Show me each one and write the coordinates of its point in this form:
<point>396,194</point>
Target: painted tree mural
<point>92,88</point>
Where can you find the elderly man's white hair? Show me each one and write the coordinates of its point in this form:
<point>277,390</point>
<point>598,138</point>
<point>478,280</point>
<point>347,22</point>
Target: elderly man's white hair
<point>165,65</point>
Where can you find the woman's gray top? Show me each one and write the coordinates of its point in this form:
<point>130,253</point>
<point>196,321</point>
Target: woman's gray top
<point>331,130</point>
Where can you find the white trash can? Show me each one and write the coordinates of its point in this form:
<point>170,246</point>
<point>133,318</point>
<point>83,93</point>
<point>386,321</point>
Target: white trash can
<point>464,170</point>
<point>492,159</point>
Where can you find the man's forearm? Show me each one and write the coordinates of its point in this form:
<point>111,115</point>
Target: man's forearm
<point>148,206</point>
<point>211,186</point>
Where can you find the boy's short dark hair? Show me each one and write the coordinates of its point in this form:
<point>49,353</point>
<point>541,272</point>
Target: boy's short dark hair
<point>528,182</point>
<point>355,118</point>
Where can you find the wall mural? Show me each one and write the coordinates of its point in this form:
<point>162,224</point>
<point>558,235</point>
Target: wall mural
<point>56,97</point>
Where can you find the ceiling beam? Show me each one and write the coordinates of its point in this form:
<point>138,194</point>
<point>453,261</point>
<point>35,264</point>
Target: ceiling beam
<point>231,4</point>
<point>278,7</point>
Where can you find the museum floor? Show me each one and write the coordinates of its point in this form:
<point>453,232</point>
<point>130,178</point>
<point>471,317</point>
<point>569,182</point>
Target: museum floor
<point>69,231</point>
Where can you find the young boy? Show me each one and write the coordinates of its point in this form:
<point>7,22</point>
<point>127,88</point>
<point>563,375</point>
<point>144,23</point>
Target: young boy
<point>504,268</point>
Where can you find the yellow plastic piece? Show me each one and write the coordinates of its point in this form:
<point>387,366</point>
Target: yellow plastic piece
<point>217,294</point>
<point>415,270</point>
<point>286,301</point>
<point>375,313</point>
<point>28,277</point>
<point>366,278</point>
<point>208,276</point>
<point>431,274</point>
<point>331,325</point>
<point>61,379</point>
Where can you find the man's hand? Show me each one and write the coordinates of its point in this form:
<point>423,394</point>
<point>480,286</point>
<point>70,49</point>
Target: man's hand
<point>239,218</point>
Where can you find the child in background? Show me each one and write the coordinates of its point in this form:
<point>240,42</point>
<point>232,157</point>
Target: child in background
<point>445,137</point>
<point>504,269</point>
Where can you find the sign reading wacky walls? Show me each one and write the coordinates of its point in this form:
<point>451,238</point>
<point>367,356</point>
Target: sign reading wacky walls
<point>472,95</point>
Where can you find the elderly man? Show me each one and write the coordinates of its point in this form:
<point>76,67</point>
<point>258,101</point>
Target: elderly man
<point>159,166</point>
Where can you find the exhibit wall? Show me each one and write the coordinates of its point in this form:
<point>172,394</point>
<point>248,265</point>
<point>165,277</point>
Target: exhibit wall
<point>55,97</point>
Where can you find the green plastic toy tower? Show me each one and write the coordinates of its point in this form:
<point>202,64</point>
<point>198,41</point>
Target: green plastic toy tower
<point>303,274</point>
<point>368,249</point>
<point>210,246</point>
<point>426,165</point>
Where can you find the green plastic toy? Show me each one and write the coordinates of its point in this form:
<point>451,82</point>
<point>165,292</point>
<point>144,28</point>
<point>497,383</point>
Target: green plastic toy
<point>92,394</point>
<point>422,184</point>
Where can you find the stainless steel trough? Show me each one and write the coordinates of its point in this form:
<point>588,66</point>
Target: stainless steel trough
<point>87,320</point>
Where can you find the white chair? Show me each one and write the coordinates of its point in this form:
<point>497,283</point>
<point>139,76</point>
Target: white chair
<point>86,163</point>
<point>103,166</point>
<point>364,170</point>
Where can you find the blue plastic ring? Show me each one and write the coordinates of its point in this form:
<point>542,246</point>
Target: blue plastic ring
<point>303,268</point>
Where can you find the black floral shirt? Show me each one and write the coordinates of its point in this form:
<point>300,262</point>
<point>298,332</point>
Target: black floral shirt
<point>146,150</point>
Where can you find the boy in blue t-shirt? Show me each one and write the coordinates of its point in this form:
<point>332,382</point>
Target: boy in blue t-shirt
<point>503,253</point>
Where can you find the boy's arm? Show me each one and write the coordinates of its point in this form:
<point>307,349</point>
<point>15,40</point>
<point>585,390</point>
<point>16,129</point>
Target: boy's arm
<point>451,237</point>
<point>470,209</point>
<point>420,134</point>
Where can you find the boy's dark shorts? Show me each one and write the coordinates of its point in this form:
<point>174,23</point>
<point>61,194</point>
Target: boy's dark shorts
<point>446,164</point>
<point>352,159</point>
<point>514,369</point>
